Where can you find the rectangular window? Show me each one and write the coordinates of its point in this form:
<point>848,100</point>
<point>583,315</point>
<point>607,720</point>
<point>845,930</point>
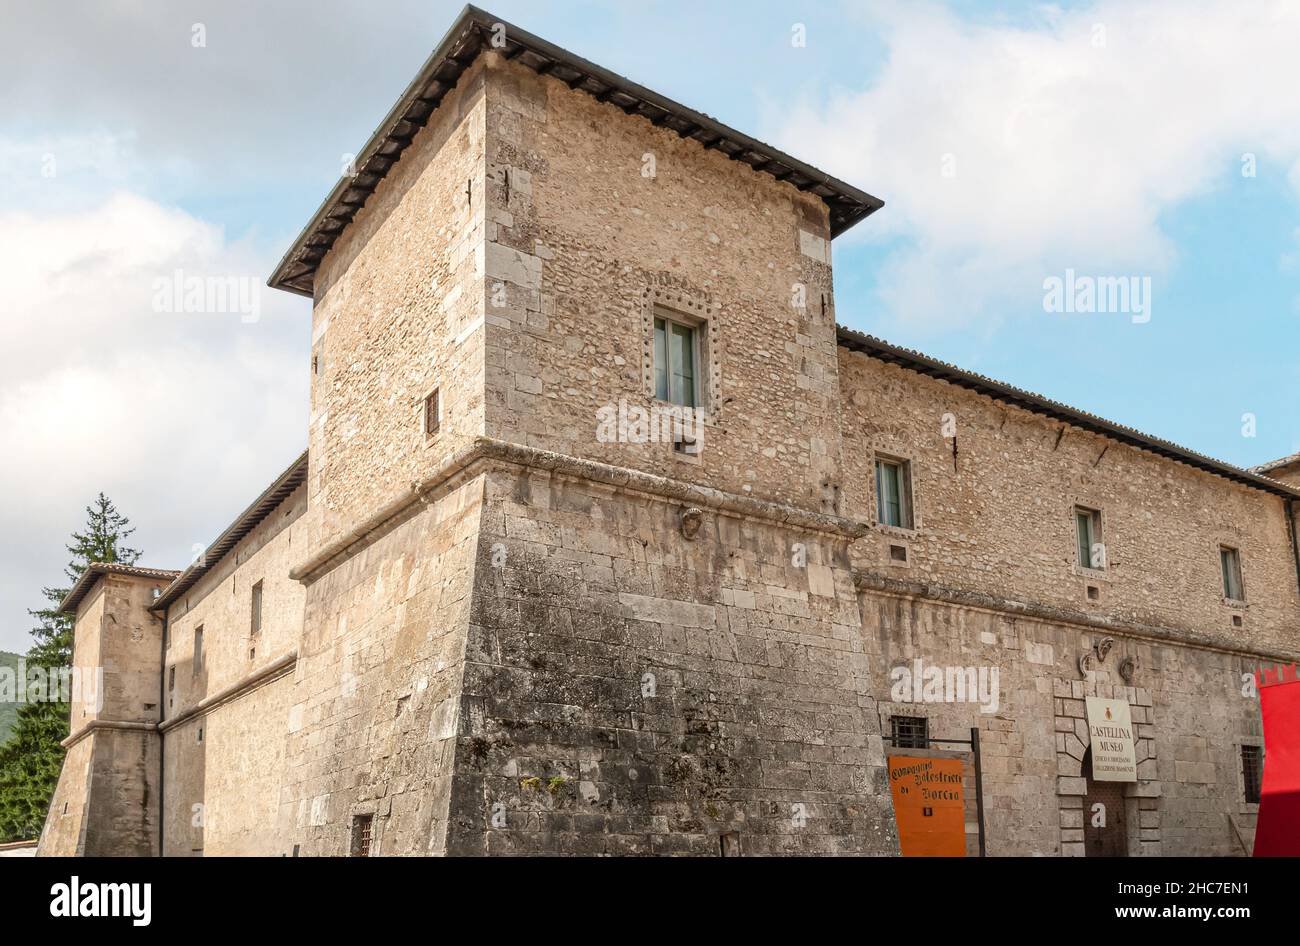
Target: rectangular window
<point>255,626</point>
<point>432,413</point>
<point>675,357</point>
<point>361,828</point>
<point>198,650</point>
<point>171,678</point>
<point>1230,560</point>
<point>909,732</point>
<point>1252,772</point>
<point>893,493</point>
<point>1087,524</point>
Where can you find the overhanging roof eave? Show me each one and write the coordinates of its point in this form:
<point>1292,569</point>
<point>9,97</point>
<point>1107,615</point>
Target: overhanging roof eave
<point>460,46</point>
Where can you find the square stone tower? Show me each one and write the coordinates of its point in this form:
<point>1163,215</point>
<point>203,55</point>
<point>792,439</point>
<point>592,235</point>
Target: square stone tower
<point>107,800</point>
<point>568,595</point>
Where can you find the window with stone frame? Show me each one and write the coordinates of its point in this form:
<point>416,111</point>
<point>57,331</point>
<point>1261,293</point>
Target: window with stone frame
<point>681,351</point>
<point>1090,549</point>
<point>894,492</point>
<point>1230,563</point>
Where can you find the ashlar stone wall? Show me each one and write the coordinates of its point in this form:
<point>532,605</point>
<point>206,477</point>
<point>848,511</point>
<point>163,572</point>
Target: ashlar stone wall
<point>630,690</point>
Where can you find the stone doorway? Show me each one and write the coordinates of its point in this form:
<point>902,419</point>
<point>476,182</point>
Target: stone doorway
<point>1111,838</point>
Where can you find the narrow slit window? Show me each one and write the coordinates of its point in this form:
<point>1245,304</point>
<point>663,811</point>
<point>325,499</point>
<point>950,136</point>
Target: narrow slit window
<point>1230,560</point>
<point>432,413</point>
<point>198,650</point>
<point>674,362</point>
<point>255,608</point>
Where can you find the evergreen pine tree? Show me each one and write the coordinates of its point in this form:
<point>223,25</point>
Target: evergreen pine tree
<point>31,759</point>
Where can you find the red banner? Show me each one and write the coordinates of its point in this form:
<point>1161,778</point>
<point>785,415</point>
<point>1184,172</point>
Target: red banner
<point>1277,832</point>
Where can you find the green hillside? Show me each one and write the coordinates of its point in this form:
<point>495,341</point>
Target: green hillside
<point>8,711</point>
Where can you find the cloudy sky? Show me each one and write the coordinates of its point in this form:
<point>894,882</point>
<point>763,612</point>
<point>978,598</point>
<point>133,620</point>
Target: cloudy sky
<point>1011,142</point>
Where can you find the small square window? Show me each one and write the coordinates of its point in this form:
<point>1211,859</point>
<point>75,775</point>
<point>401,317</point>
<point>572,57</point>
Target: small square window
<point>1091,549</point>
<point>685,445</point>
<point>432,413</point>
<point>1094,593</point>
<point>1230,561</point>
<point>362,826</point>
<point>894,492</point>
<point>898,553</point>
<point>1252,772</point>
<point>909,732</point>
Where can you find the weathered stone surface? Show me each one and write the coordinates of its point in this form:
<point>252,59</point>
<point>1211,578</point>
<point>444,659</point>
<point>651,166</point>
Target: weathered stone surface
<point>512,635</point>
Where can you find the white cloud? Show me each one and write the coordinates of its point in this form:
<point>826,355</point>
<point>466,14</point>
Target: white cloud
<point>1066,152</point>
<point>62,171</point>
<point>180,417</point>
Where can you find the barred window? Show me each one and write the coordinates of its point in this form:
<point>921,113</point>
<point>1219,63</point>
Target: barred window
<point>909,732</point>
<point>361,828</point>
<point>1252,771</point>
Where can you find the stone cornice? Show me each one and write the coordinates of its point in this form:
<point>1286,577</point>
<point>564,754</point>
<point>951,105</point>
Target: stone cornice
<point>272,671</point>
<point>486,453</point>
<point>121,725</point>
<point>275,669</point>
<point>1050,614</point>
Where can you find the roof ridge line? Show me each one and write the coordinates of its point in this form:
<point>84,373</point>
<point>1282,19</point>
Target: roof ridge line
<point>874,346</point>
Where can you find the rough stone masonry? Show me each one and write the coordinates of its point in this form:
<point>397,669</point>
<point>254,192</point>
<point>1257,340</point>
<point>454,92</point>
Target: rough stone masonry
<point>465,623</point>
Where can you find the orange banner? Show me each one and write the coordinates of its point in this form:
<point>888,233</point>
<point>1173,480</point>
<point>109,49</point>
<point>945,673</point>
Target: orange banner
<point>929,806</point>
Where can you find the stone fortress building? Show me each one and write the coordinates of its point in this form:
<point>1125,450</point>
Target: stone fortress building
<point>492,611</point>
